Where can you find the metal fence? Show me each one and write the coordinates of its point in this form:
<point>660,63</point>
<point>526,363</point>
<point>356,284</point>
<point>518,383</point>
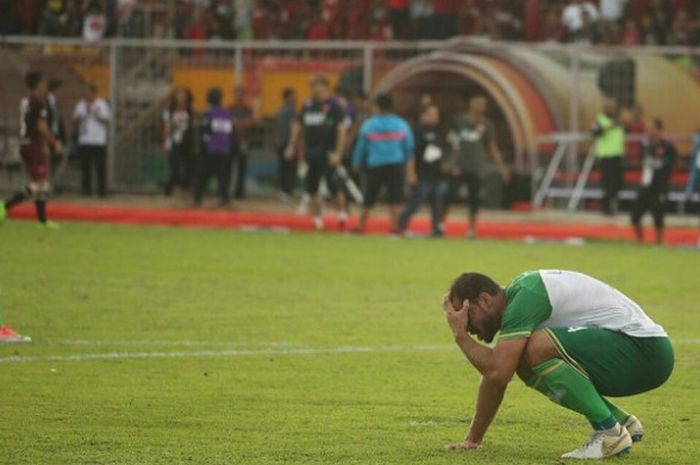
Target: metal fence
<point>137,76</point>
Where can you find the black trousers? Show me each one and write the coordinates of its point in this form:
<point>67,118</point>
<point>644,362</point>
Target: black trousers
<point>180,161</point>
<point>286,172</point>
<point>473,182</point>
<point>241,162</point>
<point>649,200</point>
<point>611,180</point>
<point>217,166</point>
<point>94,156</point>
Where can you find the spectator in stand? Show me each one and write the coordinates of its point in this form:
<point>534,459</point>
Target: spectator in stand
<point>91,118</point>
<point>178,124</point>
<point>652,33</point>
<point>631,34</point>
<point>612,10</point>
<point>421,16</point>
<point>216,146</point>
<point>94,23</point>
<point>573,16</point>
<point>244,122</point>
<point>659,157</point>
<point>694,165</point>
<point>286,165</point>
<point>384,146</point>
<point>425,174</point>
<point>445,18</point>
<point>400,18</point>
<point>609,137</point>
<point>554,29</point>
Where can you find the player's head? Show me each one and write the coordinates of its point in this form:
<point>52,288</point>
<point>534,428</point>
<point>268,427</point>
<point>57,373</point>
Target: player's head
<point>182,97</point>
<point>91,91</point>
<point>486,303</point>
<point>611,107</point>
<point>384,103</point>
<point>35,82</point>
<point>656,129</point>
<point>320,87</point>
<point>214,96</point>
<point>478,104</point>
<point>426,100</point>
<point>289,96</point>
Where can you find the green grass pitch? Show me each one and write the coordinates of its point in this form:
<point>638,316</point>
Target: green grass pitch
<point>176,346</point>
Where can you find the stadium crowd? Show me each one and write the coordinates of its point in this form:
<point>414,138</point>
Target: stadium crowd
<point>609,22</point>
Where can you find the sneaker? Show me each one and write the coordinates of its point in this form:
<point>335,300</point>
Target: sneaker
<point>634,427</point>
<point>49,225</point>
<point>319,225</point>
<point>602,445</point>
<point>8,335</point>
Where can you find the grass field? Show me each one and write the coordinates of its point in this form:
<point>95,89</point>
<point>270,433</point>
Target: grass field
<point>169,346</point>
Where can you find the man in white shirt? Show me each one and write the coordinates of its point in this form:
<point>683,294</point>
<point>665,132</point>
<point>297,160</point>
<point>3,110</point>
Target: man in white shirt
<point>612,10</point>
<point>572,17</point>
<point>91,119</point>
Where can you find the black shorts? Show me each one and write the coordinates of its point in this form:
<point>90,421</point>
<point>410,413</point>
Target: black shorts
<point>319,168</point>
<point>391,176</point>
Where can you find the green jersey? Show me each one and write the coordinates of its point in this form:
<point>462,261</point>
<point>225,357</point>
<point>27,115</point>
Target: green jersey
<point>567,299</point>
<point>611,141</point>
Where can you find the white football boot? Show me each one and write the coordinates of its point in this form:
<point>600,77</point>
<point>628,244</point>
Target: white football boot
<point>602,445</point>
<point>635,428</point>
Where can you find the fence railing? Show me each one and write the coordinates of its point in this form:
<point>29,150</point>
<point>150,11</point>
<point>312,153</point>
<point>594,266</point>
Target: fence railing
<point>572,81</point>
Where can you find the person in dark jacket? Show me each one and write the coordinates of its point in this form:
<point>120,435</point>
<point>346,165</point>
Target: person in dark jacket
<point>659,154</point>
<point>217,143</point>
<point>178,123</point>
<point>287,166</point>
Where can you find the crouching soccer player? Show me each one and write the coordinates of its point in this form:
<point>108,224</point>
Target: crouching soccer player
<point>567,335</point>
<point>35,139</point>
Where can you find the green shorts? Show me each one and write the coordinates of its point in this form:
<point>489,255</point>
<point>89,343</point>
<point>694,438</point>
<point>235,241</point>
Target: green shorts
<point>618,365</point>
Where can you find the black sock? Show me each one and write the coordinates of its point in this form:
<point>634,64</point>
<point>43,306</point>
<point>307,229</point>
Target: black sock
<point>18,198</point>
<point>41,210</point>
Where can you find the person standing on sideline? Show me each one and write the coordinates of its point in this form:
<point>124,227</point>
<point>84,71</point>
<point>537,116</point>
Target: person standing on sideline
<point>35,140</point>
<point>217,145</point>
<point>178,122</point>
<point>286,166</point>
<point>659,156</point>
<point>384,147</point>
<point>425,174</point>
<point>471,137</point>
<point>244,123</point>
<point>609,134</point>
<point>323,124</point>
<point>692,186</point>
<point>91,117</point>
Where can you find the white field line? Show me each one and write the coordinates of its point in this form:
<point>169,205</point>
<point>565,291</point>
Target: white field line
<point>151,342</point>
<point>225,353</point>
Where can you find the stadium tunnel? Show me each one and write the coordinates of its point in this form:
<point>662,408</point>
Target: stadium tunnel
<point>530,89</point>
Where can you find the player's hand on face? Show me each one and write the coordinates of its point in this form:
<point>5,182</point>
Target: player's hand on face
<point>458,319</point>
<point>464,445</point>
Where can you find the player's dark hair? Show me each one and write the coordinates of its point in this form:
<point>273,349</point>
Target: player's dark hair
<point>658,124</point>
<point>287,93</point>
<point>384,102</point>
<point>470,285</point>
<point>32,79</point>
<point>214,96</point>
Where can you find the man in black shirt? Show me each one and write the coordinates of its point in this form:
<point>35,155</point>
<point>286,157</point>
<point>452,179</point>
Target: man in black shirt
<point>322,121</point>
<point>425,170</point>
<point>658,158</point>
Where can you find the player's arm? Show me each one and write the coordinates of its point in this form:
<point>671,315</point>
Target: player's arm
<point>293,140</point>
<point>43,126</point>
<point>497,367</point>
<point>342,131</point>
<point>495,152</point>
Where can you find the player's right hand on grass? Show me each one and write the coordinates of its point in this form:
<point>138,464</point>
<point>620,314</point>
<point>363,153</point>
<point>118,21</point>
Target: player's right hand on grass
<point>464,445</point>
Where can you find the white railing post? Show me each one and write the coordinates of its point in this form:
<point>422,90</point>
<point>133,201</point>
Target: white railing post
<point>367,68</point>
<point>238,66</point>
<point>112,135</point>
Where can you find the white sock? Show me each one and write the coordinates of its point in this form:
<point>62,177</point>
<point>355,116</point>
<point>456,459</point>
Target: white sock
<point>318,222</point>
<point>614,431</point>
